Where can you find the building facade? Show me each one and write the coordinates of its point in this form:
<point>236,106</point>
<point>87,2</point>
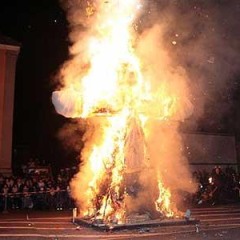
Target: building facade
<point>9,51</point>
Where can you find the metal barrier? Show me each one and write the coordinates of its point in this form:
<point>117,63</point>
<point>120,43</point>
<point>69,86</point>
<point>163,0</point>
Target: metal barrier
<point>57,199</point>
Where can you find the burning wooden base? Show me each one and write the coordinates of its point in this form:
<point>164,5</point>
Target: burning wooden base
<point>98,224</point>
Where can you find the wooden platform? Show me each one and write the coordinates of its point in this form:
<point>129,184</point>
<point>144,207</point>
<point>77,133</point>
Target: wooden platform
<point>148,223</point>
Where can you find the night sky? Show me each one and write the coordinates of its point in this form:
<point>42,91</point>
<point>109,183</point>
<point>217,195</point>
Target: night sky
<point>40,26</point>
<point>41,29</point>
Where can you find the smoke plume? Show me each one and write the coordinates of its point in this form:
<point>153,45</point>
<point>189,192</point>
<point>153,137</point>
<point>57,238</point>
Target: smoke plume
<point>187,49</point>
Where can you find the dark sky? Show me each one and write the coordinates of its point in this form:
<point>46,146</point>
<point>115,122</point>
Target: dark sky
<point>41,28</point>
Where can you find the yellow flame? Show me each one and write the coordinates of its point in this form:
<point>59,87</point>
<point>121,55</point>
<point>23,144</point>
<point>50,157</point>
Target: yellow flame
<point>163,203</point>
<point>107,165</point>
<point>114,80</point>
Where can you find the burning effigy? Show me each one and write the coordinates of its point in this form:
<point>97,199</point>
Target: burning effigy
<point>121,82</point>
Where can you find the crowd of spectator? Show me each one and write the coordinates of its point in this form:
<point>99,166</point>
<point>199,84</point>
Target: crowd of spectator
<point>36,188</point>
<point>216,187</point>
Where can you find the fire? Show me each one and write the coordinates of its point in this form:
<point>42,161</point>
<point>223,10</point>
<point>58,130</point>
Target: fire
<point>112,91</point>
<point>107,166</point>
<point>163,203</point>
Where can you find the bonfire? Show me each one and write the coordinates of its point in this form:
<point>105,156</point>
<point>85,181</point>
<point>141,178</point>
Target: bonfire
<point>132,117</point>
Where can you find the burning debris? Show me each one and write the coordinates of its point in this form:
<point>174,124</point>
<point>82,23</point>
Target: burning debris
<point>132,146</point>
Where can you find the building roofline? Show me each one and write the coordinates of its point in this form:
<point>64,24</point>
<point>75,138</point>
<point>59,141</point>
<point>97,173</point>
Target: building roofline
<point>10,47</point>
<point>8,43</point>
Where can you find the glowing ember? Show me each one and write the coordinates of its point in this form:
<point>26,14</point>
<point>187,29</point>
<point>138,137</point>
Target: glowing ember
<point>106,84</point>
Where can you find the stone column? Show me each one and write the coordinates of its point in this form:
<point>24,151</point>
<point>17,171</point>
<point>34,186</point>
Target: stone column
<point>8,58</point>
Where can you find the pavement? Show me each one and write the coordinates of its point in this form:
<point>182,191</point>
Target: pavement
<point>216,222</point>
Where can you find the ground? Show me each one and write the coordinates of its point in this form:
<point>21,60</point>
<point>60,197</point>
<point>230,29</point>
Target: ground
<point>216,222</point>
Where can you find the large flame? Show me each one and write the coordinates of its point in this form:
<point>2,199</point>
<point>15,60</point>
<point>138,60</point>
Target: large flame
<point>116,96</point>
